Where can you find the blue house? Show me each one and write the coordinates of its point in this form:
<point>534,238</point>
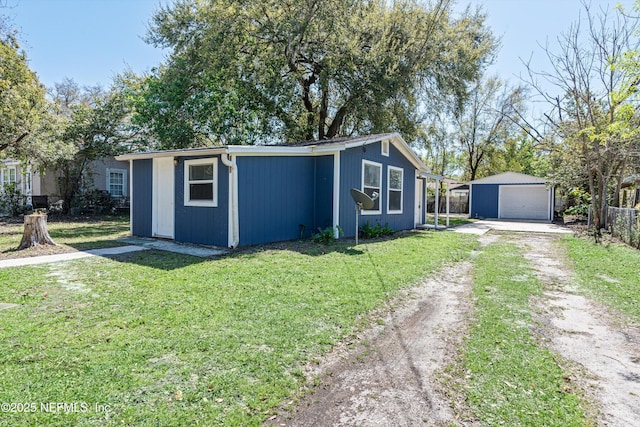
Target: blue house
<point>511,195</point>
<point>243,195</point>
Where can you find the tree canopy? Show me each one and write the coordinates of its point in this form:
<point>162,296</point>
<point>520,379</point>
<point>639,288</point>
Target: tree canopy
<point>594,119</point>
<point>96,125</point>
<point>284,70</point>
<point>25,116</point>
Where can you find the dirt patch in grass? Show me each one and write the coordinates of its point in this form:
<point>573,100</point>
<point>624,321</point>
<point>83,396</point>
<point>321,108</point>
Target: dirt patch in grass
<point>603,348</point>
<point>387,376</point>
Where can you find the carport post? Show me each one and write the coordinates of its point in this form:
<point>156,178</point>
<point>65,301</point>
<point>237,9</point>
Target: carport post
<point>435,214</point>
<point>448,191</point>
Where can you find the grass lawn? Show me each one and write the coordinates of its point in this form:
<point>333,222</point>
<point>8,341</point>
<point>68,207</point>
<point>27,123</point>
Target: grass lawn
<point>511,380</point>
<point>608,273</point>
<point>454,219</point>
<point>155,338</point>
<point>71,233</point>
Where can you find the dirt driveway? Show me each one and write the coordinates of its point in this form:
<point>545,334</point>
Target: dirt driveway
<point>391,375</point>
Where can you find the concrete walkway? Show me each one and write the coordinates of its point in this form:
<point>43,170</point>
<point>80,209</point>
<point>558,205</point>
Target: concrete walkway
<point>46,259</point>
<point>180,248</point>
<point>481,227</point>
<point>134,244</point>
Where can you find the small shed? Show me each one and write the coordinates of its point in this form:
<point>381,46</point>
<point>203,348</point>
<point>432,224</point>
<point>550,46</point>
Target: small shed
<point>244,195</point>
<point>511,195</point>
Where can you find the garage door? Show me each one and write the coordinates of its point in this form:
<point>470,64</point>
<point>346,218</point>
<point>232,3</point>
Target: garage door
<point>523,202</point>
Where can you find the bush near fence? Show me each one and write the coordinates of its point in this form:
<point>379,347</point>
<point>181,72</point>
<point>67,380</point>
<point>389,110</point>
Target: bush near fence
<point>623,224</point>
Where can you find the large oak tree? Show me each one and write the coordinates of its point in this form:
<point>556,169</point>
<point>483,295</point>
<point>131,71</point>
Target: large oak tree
<point>273,70</point>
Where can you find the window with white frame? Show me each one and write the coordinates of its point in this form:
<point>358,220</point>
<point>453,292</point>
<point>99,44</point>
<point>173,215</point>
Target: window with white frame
<point>394,189</point>
<point>117,182</point>
<point>8,176</point>
<point>385,148</point>
<point>372,183</point>
<point>200,182</point>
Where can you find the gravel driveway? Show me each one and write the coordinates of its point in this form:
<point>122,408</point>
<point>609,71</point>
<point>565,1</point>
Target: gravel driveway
<point>390,374</point>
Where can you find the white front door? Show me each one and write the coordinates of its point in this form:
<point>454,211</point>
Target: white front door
<point>163,197</point>
<point>419,207</point>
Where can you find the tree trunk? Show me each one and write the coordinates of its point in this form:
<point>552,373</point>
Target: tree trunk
<point>35,232</point>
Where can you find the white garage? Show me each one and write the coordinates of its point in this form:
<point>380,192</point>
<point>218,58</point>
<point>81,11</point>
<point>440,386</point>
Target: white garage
<point>523,202</point>
<point>511,195</point>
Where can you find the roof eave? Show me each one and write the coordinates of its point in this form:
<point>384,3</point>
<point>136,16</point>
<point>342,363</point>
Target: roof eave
<point>173,153</point>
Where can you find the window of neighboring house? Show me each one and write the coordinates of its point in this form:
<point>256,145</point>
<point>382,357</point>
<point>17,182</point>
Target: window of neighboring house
<point>117,182</point>
<point>371,183</point>
<point>394,190</point>
<point>8,176</point>
<point>200,186</point>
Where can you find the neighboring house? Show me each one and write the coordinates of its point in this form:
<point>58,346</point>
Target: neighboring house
<point>458,199</point>
<point>511,195</point>
<point>459,194</point>
<point>243,195</point>
<point>106,174</point>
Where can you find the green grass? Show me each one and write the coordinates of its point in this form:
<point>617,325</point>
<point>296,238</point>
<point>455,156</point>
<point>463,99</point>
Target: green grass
<point>454,220</point>
<point>608,273</point>
<point>164,339</point>
<point>511,380</point>
<point>69,232</point>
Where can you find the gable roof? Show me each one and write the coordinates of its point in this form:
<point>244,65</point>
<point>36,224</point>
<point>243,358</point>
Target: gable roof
<point>510,178</point>
<point>301,148</point>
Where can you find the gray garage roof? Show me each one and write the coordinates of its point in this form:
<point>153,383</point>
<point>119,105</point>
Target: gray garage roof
<point>510,178</point>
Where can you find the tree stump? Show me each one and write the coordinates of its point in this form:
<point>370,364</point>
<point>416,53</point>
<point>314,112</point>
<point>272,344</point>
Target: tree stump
<point>35,232</point>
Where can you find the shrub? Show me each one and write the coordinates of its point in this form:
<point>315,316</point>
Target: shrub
<point>11,200</point>
<point>579,201</point>
<point>326,236</point>
<point>371,232</point>
<point>96,201</point>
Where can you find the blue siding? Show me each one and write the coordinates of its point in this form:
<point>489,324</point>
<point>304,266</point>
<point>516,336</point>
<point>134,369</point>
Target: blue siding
<point>324,193</point>
<point>276,198</point>
<point>142,202</point>
<point>197,224</point>
<point>484,200</point>
<point>351,177</point>
<point>280,197</point>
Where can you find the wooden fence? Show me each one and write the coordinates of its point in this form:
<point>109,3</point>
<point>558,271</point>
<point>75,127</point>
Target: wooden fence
<point>623,224</point>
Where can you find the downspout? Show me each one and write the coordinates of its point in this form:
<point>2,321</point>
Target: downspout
<point>234,222</point>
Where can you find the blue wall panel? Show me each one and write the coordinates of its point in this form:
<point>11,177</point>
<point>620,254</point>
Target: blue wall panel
<point>484,200</point>
<point>277,198</point>
<point>324,193</point>
<point>197,224</point>
<point>142,202</point>
<point>351,177</point>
